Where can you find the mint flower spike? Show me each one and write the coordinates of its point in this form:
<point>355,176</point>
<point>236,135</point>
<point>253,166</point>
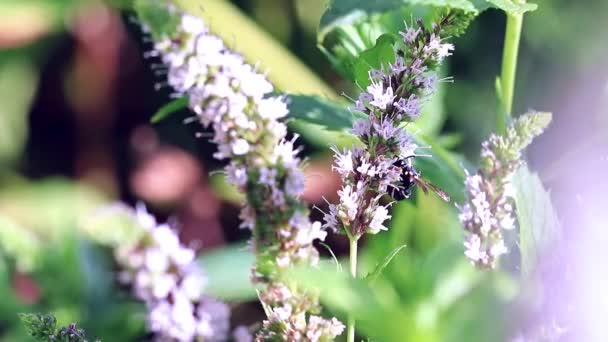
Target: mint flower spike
<point>394,97</point>
<point>489,206</point>
<point>234,99</point>
<point>164,274</point>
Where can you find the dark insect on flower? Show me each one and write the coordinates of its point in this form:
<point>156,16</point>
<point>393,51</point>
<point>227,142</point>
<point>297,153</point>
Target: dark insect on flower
<point>410,177</point>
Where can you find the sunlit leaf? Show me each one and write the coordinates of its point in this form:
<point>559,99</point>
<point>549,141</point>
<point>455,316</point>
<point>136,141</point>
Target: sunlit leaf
<point>538,222</point>
<point>19,244</point>
<point>18,80</point>
<point>50,207</point>
<point>513,7</point>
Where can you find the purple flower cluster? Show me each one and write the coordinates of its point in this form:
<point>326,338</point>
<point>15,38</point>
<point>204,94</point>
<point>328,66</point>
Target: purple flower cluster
<point>394,96</point>
<point>489,207</point>
<point>234,99</point>
<point>164,274</point>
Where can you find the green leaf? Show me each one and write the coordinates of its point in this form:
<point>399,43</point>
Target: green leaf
<point>329,114</point>
<point>342,294</point>
<point>51,207</point>
<point>322,122</point>
<point>381,54</point>
<point>155,15</point>
<point>229,270</point>
<point>380,267</point>
<point>39,326</point>
<point>19,244</point>
<point>348,12</point>
<point>18,80</point>
<point>170,108</point>
<point>513,7</point>
<point>539,226</point>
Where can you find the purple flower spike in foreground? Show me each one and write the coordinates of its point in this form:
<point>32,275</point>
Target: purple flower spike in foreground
<point>394,97</point>
<point>234,99</point>
<point>165,275</point>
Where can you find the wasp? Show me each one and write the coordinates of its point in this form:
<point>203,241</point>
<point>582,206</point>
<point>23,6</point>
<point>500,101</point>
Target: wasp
<point>410,177</point>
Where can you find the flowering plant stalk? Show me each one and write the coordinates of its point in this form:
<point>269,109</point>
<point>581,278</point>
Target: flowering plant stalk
<point>489,206</point>
<point>233,98</point>
<point>394,98</point>
<point>165,276</point>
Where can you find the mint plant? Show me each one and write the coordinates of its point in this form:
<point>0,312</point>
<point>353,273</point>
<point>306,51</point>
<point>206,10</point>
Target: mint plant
<point>43,328</point>
<point>394,54</point>
<point>228,94</point>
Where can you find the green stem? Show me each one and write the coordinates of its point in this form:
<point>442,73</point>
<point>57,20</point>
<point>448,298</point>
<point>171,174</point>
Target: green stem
<point>509,67</point>
<point>350,332</point>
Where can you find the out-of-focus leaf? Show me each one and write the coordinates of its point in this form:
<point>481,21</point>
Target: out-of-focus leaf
<point>380,267</point>
<point>538,222</point>
<point>19,244</point>
<point>170,108</point>
<point>49,207</point>
<point>513,7</point>
<point>342,294</point>
<point>18,81</point>
<point>155,16</point>
<point>124,229</point>
<point>229,271</point>
<point>21,22</point>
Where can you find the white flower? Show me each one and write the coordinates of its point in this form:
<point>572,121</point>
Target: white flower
<point>349,206</point>
<point>498,249</point>
<point>377,223</point>
<point>166,238</point>
<point>240,147</point>
<point>254,85</point>
<point>343,162</point>
<point>272,108</point>
<point>331,219</point>
<point>156,260</point>
<point>313,232</point>
<point>285,154</point>
<point>192,285</point>
<point>473,249</point>
<point>162,285</point>
<point>380,97</point>
<point>192,24</point>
